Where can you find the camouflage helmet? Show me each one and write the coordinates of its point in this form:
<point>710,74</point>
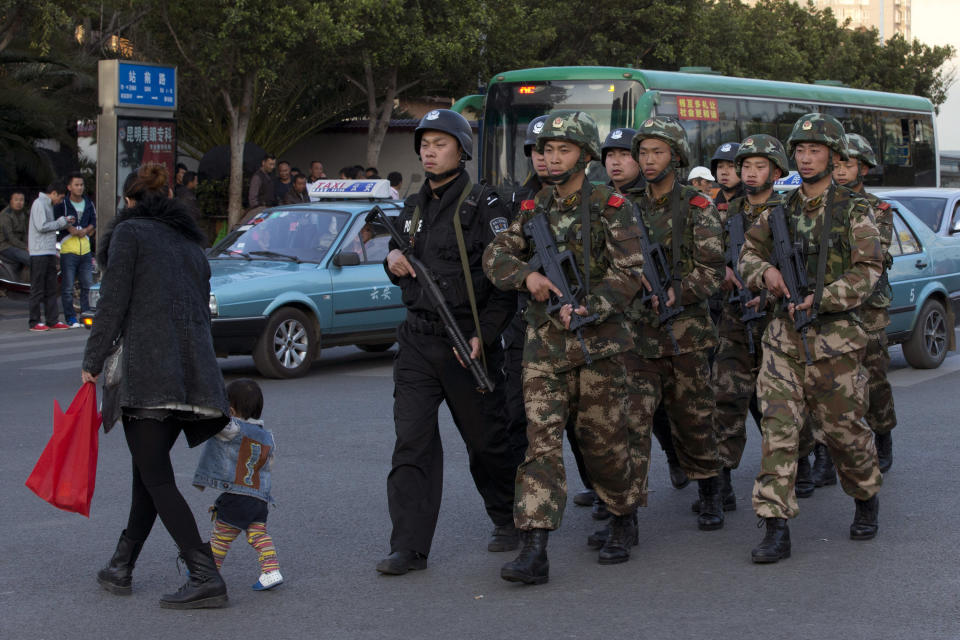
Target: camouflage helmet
<point>669,130</point>
<point>578,127</point>
<point>859,148</point>
<point>820,128</point>
<point>762,144</point>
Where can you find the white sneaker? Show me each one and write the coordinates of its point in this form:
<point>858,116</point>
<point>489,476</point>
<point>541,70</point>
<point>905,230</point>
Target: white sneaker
<point>76,325</point>
<point>268,580</point>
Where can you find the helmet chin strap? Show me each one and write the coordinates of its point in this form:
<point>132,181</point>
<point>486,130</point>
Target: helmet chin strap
<point>436,177</point>
<point>564,177</point>
<point>820,175</point>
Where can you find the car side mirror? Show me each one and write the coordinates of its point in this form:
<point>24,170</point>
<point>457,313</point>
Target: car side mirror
<point>346,259</point>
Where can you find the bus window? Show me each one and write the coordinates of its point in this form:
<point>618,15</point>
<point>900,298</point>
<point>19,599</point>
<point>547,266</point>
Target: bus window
<point>715,132</point>
<point>923,151</point>
<point>758,116</point>
<point>787,115</point>
<point>896,157</point>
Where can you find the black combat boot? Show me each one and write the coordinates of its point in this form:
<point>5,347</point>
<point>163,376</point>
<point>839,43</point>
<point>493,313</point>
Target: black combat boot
<point>865,524</point>
<point>775,545</point>
<point>531,566</point>
<point>824,473</point>
<point>678,477</point>
<point>599,511</point>
<point>711,510</point>
<point>204,589</point>
<point>584,498</point>
<point>884,443</point>
<point>621,535</point>
<point>117,576</point>
<point>598,538</point>
<point>505,537</point>
<point>804,486</point>
<point>727,498</point>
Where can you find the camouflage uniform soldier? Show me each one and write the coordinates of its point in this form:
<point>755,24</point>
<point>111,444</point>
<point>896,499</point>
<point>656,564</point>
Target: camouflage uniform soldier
<point>759,162</point>
<point>558,381</point>
<point>823,373</point>
<point>687,225</point>
<point>873,315</point>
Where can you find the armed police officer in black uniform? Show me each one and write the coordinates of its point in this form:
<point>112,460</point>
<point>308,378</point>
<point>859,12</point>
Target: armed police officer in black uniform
<point>449,223</point>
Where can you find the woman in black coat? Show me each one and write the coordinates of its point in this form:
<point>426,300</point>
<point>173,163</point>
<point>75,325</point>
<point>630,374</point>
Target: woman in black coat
<point>155,296</point>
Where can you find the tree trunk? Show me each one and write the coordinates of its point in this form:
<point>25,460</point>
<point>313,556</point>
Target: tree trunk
<point>239,123</point>
<point>379,115</point>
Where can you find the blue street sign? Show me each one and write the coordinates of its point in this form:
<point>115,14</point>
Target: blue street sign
<point>147,85</point>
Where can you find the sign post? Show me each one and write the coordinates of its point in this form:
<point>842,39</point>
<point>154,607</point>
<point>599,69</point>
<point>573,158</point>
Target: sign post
<point>135,125</point>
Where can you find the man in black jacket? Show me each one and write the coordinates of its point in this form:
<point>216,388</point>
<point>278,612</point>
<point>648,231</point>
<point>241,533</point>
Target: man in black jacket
<point>427,371</point>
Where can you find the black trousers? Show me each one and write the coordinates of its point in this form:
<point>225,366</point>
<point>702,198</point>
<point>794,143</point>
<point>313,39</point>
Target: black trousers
<point>426,373</point>
<point>154,487</point>
<point>44,290</point>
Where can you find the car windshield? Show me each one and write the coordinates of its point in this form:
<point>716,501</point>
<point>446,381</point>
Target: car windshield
<point>929,210</point>
<point>298,235</point>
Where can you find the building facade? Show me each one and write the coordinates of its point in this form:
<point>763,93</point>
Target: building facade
<point>888,16</point>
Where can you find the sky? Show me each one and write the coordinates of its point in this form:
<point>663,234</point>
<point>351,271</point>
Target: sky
<point>935,22</point>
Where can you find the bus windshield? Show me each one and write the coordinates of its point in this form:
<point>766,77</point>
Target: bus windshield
<point>511,106</point>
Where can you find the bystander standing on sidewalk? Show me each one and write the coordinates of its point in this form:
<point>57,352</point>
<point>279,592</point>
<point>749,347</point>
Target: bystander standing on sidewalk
<point>76,257</point>
<point>13,230</point>
<point>43,257</point>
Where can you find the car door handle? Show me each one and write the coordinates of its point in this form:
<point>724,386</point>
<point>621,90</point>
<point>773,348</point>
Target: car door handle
<point>920,264</point>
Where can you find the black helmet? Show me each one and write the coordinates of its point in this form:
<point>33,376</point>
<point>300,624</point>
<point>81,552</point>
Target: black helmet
<point>726,151</point>
<point>617,139</point>
<point>533,130</point>
<point>446,121</point>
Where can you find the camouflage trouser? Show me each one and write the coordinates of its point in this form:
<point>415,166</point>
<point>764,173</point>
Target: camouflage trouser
<point>880,413</point>
<point>834,391</point>
<point>682,383</point>
<point>593,396</point>
<point>734,383</point>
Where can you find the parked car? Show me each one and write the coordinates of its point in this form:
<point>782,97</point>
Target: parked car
<point>925,278</point>
<point>299,278</point>
<point>937,207</point>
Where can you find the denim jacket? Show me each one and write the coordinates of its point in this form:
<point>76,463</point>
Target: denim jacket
<point>238,460</point>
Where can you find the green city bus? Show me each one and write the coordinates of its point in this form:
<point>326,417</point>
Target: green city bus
<point>712,108</point>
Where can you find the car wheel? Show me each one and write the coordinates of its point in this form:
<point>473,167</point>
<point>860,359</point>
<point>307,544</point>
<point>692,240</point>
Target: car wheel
<point>375,348</point>
<point>927,346</point>
<point>287,346</point>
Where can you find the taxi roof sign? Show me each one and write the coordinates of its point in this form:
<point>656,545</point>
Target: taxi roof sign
<point>324,189</point>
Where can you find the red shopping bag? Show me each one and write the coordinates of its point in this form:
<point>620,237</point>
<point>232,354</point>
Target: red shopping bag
<point>67,469</point>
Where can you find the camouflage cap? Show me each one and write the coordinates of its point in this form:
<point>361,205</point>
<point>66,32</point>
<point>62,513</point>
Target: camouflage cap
<point>669,130</point>
<point>578,127</point>
<point>821,128</point>
<point>762,144</point>
<point>859,148</point>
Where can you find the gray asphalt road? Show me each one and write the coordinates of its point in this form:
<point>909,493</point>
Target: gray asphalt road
<point>335,435</point>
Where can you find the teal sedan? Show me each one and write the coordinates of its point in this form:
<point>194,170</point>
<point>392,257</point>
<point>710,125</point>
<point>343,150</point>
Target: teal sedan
<point>299,278</point>
<point>925,278</point>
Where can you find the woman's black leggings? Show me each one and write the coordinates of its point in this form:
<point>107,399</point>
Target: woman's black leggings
<point>154,487</point>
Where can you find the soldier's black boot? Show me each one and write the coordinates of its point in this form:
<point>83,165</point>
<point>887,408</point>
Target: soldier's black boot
<point>598,538</point>
<point>727,499</point>
<point>711,510</point>
<point>505,537</point>
<point>531,566</point>
<point>804,486</point>
<point>117,576</point>
<point>824,473</point>
<point>622,535</point>
<point>884,443</point>
<point>678,477</point>
<point>599,511</point>
<point>775,545</point>
<point>584,498</point>
<point>865,522</point>
<point>205,589</point>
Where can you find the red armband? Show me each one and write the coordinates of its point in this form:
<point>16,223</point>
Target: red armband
<point>528,205</point>
<point>700,202</point>
<point>616,200</point>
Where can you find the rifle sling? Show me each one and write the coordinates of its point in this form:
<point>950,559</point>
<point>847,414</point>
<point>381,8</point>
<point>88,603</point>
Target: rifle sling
<point>824,249</point>
<point>465,263</point>
<point>678,217</point>
<point>585,231</point>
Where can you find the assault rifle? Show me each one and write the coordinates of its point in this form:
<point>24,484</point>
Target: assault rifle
<point>551,261</point>
<point>656,269</point>
<point>742,295</point>
<point>428,282</point>
<point>790,260</point>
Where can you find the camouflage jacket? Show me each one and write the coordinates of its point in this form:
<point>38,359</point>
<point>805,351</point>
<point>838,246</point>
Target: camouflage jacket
<point>615,270</point>
<point>874,314</point>
<point>853,268</point>
<point>730,323</point>
<point>702,272</point>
